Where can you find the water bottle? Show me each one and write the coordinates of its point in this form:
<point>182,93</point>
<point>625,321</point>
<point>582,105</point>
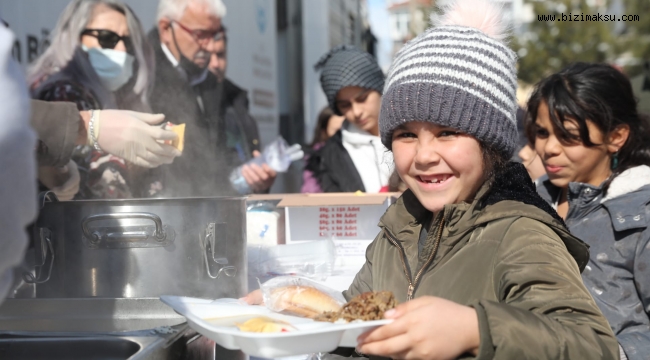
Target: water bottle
<point>278,155</point>
<point>239,183</point>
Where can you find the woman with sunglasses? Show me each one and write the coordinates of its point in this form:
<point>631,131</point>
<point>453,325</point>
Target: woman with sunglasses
<point>98,59</point>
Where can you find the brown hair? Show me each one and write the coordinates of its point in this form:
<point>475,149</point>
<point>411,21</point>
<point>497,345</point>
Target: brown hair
<point>320,131</point>
<point>494,161</point>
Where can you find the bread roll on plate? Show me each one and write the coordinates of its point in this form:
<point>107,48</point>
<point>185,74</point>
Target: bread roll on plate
<point>303,301</point>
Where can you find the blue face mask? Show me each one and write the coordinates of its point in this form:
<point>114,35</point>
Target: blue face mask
<point>113,67</point>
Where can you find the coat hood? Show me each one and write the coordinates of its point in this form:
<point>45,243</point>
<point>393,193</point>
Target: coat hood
<point>627,182</point>
<point>509,194</point>
<point>626,198</point>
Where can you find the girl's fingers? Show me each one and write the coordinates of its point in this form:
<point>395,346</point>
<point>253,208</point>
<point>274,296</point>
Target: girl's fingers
<point>409,306</point>
<point>396,328</point>
<point>254,298</point>
<point>395,347</point>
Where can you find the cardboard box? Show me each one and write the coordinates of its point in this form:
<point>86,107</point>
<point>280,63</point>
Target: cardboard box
<point>348,219</point>
<point>339,216</point>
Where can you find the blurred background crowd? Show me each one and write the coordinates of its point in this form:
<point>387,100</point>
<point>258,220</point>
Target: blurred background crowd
<point>240,74</point>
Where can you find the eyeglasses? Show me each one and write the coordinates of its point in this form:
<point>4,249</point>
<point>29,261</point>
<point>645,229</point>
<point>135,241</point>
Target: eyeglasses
<point>108,39</point>
<point>203,37</point>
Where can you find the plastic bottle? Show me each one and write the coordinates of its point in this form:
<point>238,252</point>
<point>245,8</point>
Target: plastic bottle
<point>278,155</point>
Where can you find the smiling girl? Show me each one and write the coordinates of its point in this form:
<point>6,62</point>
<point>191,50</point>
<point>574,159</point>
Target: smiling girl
<point>482,265</point>
<point>596,151</point>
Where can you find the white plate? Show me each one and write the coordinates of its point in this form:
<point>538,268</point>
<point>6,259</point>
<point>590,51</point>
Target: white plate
<point>216,320</point>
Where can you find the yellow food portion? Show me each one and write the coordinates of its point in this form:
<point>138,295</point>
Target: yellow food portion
<point>264,325</point>
<point>179,143</point>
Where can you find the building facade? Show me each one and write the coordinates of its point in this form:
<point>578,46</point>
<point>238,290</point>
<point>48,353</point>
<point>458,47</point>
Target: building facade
<point>407,19</point>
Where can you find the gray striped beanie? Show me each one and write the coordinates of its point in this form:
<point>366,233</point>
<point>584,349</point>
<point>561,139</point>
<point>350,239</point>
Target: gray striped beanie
<point>454,76</point>
<point>346,66</point>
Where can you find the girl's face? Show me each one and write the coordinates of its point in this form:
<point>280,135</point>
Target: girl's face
<point>571,162</point>
<point>361,107</point>
<point>440,165</point>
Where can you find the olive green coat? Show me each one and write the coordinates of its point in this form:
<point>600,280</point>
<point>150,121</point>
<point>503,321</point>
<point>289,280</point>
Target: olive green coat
<point>509,261</point>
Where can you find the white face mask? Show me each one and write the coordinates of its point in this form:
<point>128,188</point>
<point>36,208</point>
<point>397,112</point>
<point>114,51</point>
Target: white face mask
<point>113,67</point>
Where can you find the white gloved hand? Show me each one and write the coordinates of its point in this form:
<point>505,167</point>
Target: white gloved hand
<point>63,181</point>
<point>131,136</point>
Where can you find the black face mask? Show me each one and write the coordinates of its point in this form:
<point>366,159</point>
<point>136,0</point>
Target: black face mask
<point>194,73</point>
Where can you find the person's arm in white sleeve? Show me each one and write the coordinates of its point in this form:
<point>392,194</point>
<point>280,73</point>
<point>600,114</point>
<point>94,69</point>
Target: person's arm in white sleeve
<point>17,161</point>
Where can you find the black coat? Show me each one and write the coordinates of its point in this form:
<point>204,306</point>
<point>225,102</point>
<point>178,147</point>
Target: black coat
<point>204,167</point>
<point>239,123</point>
<point>333,167</point>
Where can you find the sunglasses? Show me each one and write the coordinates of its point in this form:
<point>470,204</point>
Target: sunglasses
<point>108,39</point>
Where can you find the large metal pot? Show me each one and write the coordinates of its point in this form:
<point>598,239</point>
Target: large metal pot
<point>140,248</point>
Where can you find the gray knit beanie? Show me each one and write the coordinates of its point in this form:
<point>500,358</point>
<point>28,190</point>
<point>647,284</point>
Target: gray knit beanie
<point>348,66</point>
<point>457,74</point>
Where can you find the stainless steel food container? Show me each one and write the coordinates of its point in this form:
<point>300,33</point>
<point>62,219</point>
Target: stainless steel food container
<point>140,248</point>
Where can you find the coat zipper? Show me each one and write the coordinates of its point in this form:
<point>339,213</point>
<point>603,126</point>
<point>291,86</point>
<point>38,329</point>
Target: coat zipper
<point>413,283</point>
<point>433,254</point>
<point>392,240</point>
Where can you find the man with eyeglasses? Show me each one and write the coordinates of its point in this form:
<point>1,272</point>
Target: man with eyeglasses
<point>187,92</point>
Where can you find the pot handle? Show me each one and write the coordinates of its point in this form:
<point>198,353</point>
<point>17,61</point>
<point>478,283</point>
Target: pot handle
<point>95,237</point>
<point>46,246</point>
<point>208,246</point>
